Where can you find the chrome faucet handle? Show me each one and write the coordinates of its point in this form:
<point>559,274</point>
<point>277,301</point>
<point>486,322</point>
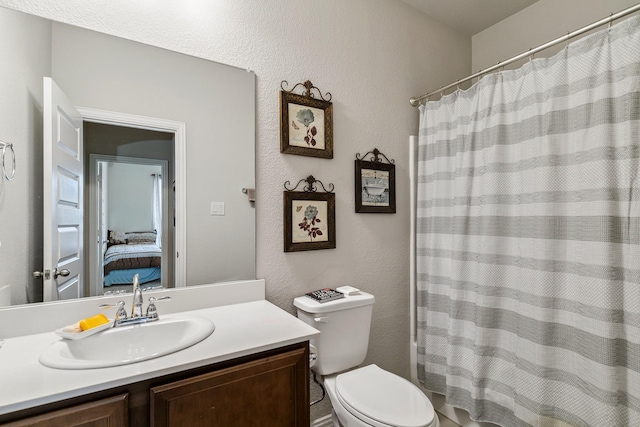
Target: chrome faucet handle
<point>121,313</point>
<point>152,311</point>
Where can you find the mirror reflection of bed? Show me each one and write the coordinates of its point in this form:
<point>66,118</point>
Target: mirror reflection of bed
<point>130,175</point>
<point>128,254</point>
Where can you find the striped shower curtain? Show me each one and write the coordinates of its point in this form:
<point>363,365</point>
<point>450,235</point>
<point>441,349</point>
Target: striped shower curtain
<point>528,239</point>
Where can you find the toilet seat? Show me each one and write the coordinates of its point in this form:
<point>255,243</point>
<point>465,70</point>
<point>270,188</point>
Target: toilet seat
<point>382,399</point>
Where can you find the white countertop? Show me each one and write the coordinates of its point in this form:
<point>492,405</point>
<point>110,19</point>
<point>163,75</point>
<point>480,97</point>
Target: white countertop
<point>240,329</point>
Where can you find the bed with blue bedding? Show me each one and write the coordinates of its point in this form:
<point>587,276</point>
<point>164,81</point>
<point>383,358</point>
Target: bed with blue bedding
<point>124,258</point>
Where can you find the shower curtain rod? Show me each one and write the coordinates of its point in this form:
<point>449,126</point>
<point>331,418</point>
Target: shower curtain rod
<point>416,100</point>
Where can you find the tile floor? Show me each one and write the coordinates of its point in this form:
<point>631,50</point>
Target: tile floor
<point>446,422</point>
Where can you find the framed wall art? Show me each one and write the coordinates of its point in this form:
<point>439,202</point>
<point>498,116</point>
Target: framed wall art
<point>306,123</point>
<point>375,190</point>
<point>309,217</point>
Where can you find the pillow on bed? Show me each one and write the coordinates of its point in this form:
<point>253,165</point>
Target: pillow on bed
<point>117,238</point>
<point>141,237</point>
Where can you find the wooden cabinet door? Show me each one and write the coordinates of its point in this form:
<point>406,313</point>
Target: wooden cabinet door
<point>268,392</point>
<point>110,412</point>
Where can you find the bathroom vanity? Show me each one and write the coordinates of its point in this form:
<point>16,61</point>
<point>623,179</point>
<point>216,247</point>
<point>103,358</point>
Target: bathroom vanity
<point>252,370</point>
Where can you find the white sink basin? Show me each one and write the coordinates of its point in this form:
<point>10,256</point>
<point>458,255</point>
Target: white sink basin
<point>128,344</point>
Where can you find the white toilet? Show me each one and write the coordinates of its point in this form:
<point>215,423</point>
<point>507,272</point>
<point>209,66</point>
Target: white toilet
<point>364,396</point>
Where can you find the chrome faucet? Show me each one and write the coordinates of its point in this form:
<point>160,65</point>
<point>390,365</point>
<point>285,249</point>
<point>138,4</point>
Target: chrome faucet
<point>136,316</point>
<point>136,308</point>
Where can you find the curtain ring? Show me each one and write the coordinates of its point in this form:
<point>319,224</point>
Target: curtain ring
<point>13,161</point>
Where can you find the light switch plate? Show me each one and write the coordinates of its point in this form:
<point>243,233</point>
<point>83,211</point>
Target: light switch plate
<point>217,208</point>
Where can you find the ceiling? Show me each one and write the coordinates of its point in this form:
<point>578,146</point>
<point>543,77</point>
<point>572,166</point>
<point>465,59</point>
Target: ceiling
<point>470,16</point>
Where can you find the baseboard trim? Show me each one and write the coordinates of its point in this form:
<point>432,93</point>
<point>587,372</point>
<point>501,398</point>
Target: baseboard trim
<point>322,422</point>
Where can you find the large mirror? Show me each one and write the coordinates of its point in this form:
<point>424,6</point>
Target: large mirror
<point>179,130</point>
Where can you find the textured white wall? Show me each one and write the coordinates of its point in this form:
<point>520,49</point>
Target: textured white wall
<point>372,55</point>
<point>541,22</point>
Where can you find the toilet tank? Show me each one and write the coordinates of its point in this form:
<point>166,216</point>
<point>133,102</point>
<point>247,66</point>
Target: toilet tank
<point>344,326</point>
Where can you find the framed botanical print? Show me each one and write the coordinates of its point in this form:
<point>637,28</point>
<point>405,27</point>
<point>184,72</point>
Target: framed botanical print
<point>375,189</point>
<point>309,221</point>
<point>306,124</point>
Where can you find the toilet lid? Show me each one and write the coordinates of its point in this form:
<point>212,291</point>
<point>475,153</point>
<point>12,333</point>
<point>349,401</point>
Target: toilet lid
<point>373,394</point>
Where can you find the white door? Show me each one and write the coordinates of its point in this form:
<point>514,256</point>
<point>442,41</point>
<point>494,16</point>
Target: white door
<point>63,196</point>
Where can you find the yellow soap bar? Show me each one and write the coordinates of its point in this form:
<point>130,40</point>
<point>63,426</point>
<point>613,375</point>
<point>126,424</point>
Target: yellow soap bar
<point>92,322</point>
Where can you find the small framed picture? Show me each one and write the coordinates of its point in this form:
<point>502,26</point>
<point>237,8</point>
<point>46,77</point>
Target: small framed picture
<point>309,221</point>
<point>375,190</point>
<point>306,126</point>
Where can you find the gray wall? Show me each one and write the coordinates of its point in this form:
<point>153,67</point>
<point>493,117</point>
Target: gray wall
<point>130,192</point>
<point>541,22</point>
<point>24,64</point>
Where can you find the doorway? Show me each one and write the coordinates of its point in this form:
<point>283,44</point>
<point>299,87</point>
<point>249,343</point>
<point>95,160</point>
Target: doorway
<point>131,207</point>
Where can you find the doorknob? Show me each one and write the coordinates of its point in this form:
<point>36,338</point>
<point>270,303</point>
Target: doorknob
<point>47,273</point>
<point>64,273</point>
<point>39,274</point>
